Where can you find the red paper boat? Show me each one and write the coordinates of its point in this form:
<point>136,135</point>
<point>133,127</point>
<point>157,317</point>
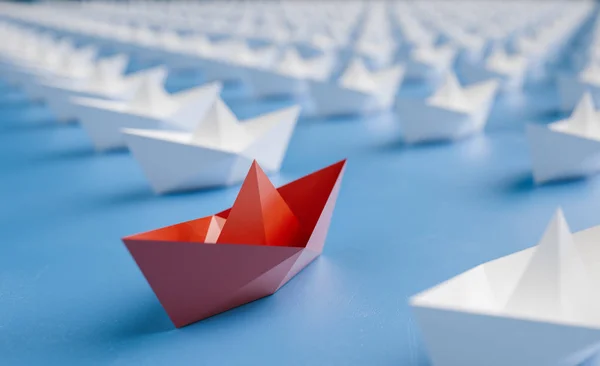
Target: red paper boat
<point>203,267</point>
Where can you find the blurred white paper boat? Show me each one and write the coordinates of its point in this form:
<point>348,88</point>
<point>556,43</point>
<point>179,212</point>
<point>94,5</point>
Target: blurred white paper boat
<point>509,69</point>
<point>377,53</point>
<point>105,82</point>
<point>430,63</point>
<point>358,91</point>
<point>72,65</point>
<point>451,113</point>
<point>150,107</point>
<point>233,59</point>
<point>569,148</point>
<point>290,76</point>
<point>538,306</point>
<point>218,153</point>
<point>572,88</point>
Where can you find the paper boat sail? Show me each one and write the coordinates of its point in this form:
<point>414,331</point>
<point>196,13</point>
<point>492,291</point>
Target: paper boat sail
<point>358,91</point>
<point>535,307</point>
<point>149,107</point>
<point>217,153</point>
<point>451,113</point>
<point>567,149</point>
<point>430,63</point>
<point>289,75</point>
<point>106,76</point>
<point>206,266</point>
<point>572,88</point>
<point>509,69</point>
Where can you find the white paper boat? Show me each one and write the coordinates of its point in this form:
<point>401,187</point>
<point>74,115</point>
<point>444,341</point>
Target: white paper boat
<point>377,53</point>
<point>538,306</point>
<point>569,148</point>
<point>218,153</point>
<point>430,63</point>
<point>572,88</point>
<point>290,76</point>
<point>106,82</point>
<point>358,91</point>
<point>509,69</point>
<point>451,113</point>
<point>151,107</point>
<point>233,58</point>
<point>72,65</point>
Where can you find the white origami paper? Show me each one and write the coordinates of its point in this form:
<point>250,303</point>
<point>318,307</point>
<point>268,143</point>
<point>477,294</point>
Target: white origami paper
<point>376,52</point>
<point>538,306</point>
<point>106,82</point>
<point>451,113</point>
<point>218,153</point>
<point>569,148</point>
<point>430,63</point>
<point>150,107</point>
<point>64,65</point>
<point>358,91</point>
<point>290,76</point>
<point>509,69</point>
<point>233,58</point>
<point>572,88</point>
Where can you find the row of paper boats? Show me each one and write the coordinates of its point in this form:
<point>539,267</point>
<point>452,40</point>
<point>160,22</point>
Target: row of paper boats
<point>135,111</point>
<point>587,79</point>
<point>269,71</point>
<point>425,62</point>
<point>538,306</point>
<point>502,20</point>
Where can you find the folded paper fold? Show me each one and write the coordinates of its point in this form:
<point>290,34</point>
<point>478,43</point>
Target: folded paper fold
<point>206,266</point>
<point>358,91</point>
<point>451,113</point>
<point>534,307</point>
<point>217,153</point>
<point>569,148</point>
<point>150,106</point>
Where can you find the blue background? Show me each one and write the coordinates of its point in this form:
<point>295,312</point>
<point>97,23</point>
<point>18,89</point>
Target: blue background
<point>407,218</point>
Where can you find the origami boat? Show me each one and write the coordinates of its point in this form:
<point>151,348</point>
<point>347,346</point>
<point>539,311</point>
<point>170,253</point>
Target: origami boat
<point>217,153</point>
<point>234,59</point>
<point>290,76</point>
<point>538,306</point>
<point>358,91</point>
<point>509,69</point>
<point>105,82</point>
<point>571,88</point>
<point>430,63</point>
<point>150,107</point>
<point>569,148</point>
<point>206,266</point>
<point>64,63</point>
<point>451,113</point>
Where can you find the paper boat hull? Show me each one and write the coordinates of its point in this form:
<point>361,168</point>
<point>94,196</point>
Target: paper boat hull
<point>478,73</point>
<point>425,123</point>
<point>172,166</point>
<point>455,338</point>
<point>59,100</point>
<point>104,126</point>
<point>195,281</point>
<point>419,71</point>
<point>267,84</point>
<point>557,155</point>
<point>329,99</point>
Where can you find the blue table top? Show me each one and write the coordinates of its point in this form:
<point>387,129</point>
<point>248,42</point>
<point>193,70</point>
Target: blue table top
<point>407,218</point>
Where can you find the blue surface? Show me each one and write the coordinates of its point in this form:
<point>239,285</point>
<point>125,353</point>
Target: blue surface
<point>407,218</point>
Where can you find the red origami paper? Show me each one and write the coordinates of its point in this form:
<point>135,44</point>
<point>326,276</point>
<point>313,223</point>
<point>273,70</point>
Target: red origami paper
<point>206,266</point>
